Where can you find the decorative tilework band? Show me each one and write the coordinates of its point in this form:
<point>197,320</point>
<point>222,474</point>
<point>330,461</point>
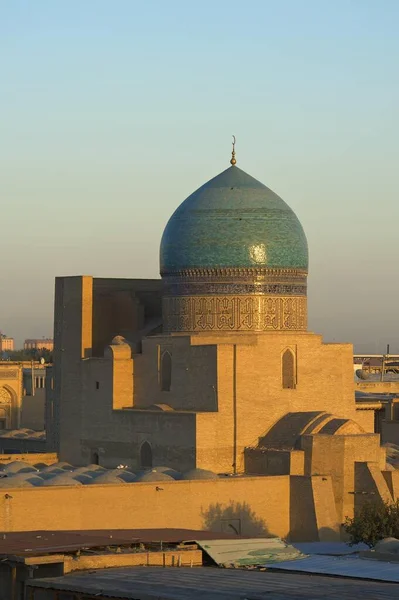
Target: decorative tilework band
<point>239,281</point>
<point>235,299</point>
<point>210,288</point>
<point>237,273</point>
<point>234,313</point>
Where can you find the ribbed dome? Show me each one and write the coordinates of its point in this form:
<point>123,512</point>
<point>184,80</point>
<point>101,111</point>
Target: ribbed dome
<point>233,220</point>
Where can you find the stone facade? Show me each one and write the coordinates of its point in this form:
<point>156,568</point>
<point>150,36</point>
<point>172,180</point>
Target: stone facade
<point>213,368</point>
<point>18,407</point>
<point>11,392</point>
<point>39,344</point>
<point>6,343</point>
<point>209,400</point>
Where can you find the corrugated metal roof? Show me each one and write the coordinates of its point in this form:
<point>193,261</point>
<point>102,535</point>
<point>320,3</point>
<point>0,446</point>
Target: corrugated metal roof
<point>249,552</point>
<point>343,566</point>
<point>151,583</point>
<point>28,543</point>
<point>329,548</point>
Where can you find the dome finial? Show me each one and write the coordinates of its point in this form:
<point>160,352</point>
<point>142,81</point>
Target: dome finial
<point>233,153</point>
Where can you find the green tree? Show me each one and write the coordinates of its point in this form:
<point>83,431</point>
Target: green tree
<point>373,522</point>
<point>31,354</point>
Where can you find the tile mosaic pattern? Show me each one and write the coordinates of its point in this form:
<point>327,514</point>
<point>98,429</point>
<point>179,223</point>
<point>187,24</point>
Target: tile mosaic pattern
<point>243,281</point>
<point>234,257</point>
<point>234,313</point>
<point>233,220</point>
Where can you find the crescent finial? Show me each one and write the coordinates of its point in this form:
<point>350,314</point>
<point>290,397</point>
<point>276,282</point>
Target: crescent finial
<point>233,153</point>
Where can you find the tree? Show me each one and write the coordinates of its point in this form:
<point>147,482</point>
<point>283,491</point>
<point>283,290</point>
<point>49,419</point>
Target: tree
<point>31,354</point>
<point>373,522</point>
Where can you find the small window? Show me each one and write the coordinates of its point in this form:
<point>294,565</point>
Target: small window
<point>166,372</point>
<point>288,370</point>
<point>146,455</point>
<point>97,385</point>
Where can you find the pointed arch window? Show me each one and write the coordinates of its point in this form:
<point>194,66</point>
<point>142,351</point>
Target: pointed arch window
<point>146,455</point>
<point>288,370</point>
<point>166,372</point>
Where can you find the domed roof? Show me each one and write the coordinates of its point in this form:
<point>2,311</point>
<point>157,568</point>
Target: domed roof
<point>153,476</point>
<point>108,477</point>
<point>233,220</point>
<point>199,474</point>
<point>168,471</point>
<point>21,480</point>
<point>62,479</point>
<point>60,465</point>
<point>19,466</point>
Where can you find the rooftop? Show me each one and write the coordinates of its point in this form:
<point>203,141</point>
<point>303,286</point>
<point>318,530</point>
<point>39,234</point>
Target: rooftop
<point>28,543</point>
<point>214,584</point>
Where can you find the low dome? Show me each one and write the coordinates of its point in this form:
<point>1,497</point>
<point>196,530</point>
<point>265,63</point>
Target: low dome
<point>153,476</point>
<point>233,220</point>
<point>49,474</point>
<point>126,476</point>
<point>93,467</point>
<point>62,466</point>
<point>19,466</point>
<point>90,471</point>
<point>21,480</point>
<point>199,474</point>
<point>109,477</point>
<point>84,478</point>
<point>168,471</point>
<point>118,340</point>
<point>63,479</point>
<point>52,471</point>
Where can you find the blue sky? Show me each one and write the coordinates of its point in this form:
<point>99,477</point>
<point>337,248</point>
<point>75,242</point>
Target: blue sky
<point>114,112</point>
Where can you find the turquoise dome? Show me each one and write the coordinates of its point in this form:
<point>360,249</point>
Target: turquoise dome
<point>233,220</point>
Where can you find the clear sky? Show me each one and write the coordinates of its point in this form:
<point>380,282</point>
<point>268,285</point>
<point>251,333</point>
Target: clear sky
<point>112,112</point>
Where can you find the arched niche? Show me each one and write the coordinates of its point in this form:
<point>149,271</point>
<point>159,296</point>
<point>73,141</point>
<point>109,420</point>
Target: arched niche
<point>166,372</point>
<point>146,455</point>
<point>7,404</point>
<point>288,370</point>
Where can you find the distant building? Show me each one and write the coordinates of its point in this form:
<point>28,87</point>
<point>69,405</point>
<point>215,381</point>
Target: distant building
<point>6,343</point>
<point>22,395</point>
<point>39,344</point>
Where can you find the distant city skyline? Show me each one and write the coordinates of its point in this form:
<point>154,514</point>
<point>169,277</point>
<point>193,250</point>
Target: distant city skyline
<point>113,117</point>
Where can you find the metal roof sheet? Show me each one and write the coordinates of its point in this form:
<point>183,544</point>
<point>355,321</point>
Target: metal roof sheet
<point>343,566</point>
<point>151,583</point>
<point>28,543</point>
<point>248,552</point>
<point>329,548</point>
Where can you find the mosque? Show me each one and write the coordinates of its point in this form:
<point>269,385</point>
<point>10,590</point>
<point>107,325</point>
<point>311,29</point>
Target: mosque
<point>212,370</point>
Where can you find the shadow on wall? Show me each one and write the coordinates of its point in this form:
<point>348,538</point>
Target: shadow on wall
<point>327,534</point>
<point>235,517</point>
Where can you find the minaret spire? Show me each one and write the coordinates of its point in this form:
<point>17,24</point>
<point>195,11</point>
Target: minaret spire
<point>233,153</point>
